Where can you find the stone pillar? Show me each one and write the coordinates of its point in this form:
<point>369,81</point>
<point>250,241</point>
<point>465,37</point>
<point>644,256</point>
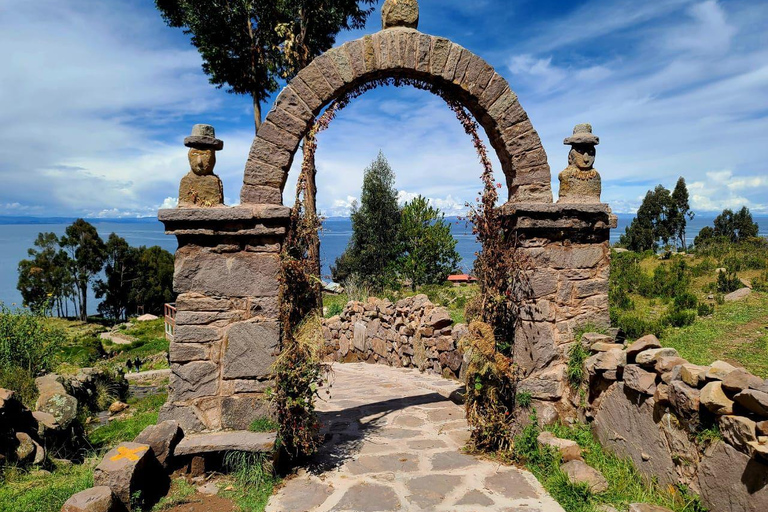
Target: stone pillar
<point>227,331</point>
<point>567,250</point>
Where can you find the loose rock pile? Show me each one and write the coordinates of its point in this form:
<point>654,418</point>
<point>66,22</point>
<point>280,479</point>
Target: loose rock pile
<point>650,404</point>
<point>413,333</point>
<point>133,476</point>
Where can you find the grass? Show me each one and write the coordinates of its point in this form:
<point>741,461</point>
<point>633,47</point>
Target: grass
<point>180,493</point>
<point>626,484</point>
<point>141,413</point>
<point>37,491</point>
<point>264,425</point>
<point>253,480</point>
<point>737,333</point>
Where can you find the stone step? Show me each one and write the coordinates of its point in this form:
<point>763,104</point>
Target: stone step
<point>235,440</point>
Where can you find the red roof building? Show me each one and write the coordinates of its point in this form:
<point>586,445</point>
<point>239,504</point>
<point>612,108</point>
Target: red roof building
<point>461,278</point>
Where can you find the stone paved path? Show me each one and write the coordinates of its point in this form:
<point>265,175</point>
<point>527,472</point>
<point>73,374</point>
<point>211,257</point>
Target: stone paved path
<point>395,445</point>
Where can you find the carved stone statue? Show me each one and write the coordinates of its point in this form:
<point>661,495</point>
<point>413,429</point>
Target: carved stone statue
<point>580,182</point>
<point>200,187</point>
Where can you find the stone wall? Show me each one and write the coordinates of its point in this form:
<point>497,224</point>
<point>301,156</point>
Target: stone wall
<point>412,333</point>
<point>650,405</point>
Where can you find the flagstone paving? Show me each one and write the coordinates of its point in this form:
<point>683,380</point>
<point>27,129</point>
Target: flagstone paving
<point>394,444</point>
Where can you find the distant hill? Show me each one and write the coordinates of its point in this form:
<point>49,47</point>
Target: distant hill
<point>11,219</point>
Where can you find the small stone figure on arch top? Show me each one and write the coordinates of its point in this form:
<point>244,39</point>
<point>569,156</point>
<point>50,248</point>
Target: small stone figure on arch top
<point>580,182</point>
<point>201,187</point>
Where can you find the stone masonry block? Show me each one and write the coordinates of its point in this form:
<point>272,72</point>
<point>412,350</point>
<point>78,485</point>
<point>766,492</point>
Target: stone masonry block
<point>312,75</point>
<point>343,65</point>
<point>290,101</point>
<point>327,68</point>
<point>251,349</point>
<point>307,95</point>
<point>258,194</point>
<point>232,275</point>
<point>194,380</point>
<point>287,122</point>
<point>264,174</point>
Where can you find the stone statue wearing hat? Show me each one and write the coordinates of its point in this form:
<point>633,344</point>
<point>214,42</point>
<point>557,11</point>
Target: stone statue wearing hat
<point>200,187</point>
<point>580,182</point>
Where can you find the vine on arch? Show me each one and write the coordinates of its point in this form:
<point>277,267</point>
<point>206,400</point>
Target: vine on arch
<point>491,375</point>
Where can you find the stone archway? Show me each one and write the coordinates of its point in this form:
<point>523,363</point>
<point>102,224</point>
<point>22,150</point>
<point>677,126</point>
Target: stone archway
<point>399,52</point>
<point>228,263</point>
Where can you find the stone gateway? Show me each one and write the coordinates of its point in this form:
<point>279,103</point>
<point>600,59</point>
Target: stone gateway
<point>228,261</point>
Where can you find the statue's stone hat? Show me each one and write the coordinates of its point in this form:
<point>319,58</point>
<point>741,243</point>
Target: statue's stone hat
<point>582,134</point>
<point>203,137</point>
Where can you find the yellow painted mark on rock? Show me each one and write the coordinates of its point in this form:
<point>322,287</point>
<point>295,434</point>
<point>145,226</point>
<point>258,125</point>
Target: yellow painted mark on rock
<point>126,453</point>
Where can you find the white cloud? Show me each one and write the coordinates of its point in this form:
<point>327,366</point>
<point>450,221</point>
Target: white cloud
<point>720,190</point>
<point>708,32</point>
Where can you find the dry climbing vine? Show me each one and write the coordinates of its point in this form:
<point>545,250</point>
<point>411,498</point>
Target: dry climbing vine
<point>491,375</point>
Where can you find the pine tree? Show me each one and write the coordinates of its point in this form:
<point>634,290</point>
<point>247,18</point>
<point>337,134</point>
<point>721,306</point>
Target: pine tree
<point>374,246</point>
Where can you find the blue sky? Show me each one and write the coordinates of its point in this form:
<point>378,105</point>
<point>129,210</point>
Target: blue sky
<point>96,97</point>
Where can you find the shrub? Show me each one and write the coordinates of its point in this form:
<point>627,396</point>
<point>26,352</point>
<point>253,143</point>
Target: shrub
<point>677,318</point>
<point>524,399</point>
<point>22,381</point>
<point>760,284</point>
<point>728,282</point>
<point>705,309</point>
<point>635,326</point>
<point>491,380</point>
<point>334,309</point>
<point>299,375</point>
<point>685,300</point>
<point>576,357</point>
<point>27,341</point>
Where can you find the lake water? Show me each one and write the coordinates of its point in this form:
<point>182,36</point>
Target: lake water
<point>15,239</point>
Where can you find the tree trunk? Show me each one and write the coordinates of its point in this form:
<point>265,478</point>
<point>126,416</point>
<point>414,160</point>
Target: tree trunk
<point>84,303</point>
<point>310,211</point>
<point>256,113</point>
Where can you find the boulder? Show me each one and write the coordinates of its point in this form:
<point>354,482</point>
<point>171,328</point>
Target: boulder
<point>713,398</point>
<point>28,450</point>
<point>640,380</point>
<point>605,361</point>
<point>117,407</point>
<point>755,401</point>
<point>146,318</point>
<point>642,344</point>
<point>579,472</point>
<point>719,370</point>
<point>739,380</point>
<point>601,346</point>
<point>438,319</point>
<point>762,428</point>
<point>162,438</point>
<point>694,375</point>
<point>568,450</point>
<point>95,499</point>
<point>741,294</point>
<point>685,400</point>
<point>128,469</point>
<point>738,431</point>
<point>549,384</point>
<point>666,364</point>
<point>53,399</point>
<point>650,356</point>
<point>732,482</point>
<point>590,338</point>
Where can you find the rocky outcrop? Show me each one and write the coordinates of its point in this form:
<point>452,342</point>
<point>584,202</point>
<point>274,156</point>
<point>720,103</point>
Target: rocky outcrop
<point>654,407</point>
